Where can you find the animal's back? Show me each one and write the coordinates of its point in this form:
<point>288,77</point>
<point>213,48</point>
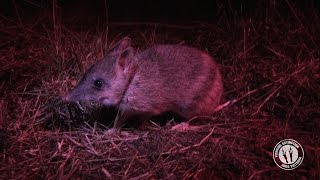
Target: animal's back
<point>174,78</point>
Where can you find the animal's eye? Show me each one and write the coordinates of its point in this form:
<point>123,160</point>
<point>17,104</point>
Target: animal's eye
<point>98,83</point>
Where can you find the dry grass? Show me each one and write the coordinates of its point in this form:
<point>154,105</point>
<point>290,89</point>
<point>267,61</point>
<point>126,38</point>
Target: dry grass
<point>271,75</point>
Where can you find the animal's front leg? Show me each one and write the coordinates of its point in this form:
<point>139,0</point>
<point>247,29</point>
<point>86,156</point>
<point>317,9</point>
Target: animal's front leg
<point>121,118</point>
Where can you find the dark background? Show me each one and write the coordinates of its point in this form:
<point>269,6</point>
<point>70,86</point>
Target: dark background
<point>145,10</point>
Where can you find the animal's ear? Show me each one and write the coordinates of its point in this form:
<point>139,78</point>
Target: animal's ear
<point>123,44</point>
<point>124,57</point>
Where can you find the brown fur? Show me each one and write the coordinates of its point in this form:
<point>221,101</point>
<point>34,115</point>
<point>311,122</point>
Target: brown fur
<point>162,78</point>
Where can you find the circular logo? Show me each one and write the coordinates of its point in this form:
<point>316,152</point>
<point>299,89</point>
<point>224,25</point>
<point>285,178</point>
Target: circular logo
<point>288,154</point>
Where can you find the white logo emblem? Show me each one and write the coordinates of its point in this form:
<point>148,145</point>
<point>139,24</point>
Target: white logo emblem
<point>288,154</point>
